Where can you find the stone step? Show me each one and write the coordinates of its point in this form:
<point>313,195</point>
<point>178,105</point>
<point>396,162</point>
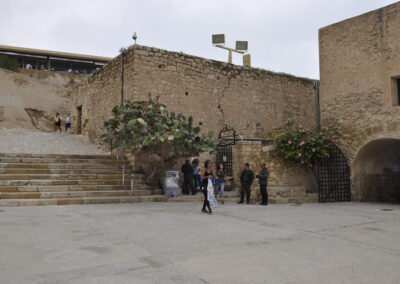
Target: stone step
<point>66,182</point>
<point>19,155</point>
<point>71,194</point>
<point>81,200</point>
<point>60,160</point>
<point>63,176</point>
<point>59,166</point>
<point>63,171</point>
<point>58,188</point>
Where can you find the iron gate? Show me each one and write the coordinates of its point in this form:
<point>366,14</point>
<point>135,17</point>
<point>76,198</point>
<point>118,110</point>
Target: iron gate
<point>227,138</point>
<point>333,175</point>
<point>224,156</point>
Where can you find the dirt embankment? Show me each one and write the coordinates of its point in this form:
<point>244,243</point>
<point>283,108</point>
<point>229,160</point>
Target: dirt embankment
<point>31,98</point>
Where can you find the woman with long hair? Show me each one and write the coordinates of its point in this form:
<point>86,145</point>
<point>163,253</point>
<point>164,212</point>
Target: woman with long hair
<point>206,174</point>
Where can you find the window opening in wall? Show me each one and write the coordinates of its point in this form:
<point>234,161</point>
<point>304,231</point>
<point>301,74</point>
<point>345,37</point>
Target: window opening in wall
<point>79,122</point>
<point>396,91</point>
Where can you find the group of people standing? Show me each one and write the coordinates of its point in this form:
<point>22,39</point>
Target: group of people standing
<point>58,120</point>
<point>246,180</point>
<point>197,179</point>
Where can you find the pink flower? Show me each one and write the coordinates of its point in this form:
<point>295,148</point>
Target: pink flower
<point>302,143</point>
<point>299,154</point>
<point>313,150</point>
<point>289,142</point>
<point>300,126</point>
<point>302,131</point>
<point>302,162</point>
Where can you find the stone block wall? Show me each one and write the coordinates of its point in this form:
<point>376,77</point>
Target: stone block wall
<point>214,93</point>
<point>282,173</point>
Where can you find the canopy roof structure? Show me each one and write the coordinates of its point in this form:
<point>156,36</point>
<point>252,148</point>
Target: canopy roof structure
<point>13,50</point>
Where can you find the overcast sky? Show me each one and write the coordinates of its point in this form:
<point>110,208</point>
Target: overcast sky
<point>282,35</point>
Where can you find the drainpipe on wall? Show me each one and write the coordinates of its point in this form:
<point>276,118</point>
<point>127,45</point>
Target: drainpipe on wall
<point>122,50</point>
<point>317,107</point>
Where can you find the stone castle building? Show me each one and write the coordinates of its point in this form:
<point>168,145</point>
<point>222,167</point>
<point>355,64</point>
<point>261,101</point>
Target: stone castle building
<point>359,93</point>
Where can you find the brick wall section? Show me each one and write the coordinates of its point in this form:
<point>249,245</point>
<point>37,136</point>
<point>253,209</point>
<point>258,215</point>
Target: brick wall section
<point>358,57</point>
<point>215,93</point>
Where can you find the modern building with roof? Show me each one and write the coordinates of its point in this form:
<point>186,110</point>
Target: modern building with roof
<point>54,60</point>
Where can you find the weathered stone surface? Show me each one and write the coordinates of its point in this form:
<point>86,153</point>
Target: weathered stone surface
<point>358,59</point>
<point>213,92</point>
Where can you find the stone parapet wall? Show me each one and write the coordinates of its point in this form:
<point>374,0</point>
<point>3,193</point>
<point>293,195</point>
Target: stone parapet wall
<point>214,93</point>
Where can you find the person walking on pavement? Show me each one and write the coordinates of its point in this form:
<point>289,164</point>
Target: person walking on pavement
<point>263,181</point>
<point>246,179</point>
<point>220,182</point>
<point>206,174</point>
<point>187,171</point>
<point>196,176</point>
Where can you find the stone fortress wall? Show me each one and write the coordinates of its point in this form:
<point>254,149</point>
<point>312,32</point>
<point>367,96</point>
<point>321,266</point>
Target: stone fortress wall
<point>359,65</point>
<point>214,93</point>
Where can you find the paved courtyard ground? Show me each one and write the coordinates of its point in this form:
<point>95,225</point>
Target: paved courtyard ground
<point>175,243</point>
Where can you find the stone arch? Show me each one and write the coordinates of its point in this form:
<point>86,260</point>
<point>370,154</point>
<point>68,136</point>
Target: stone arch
<point>376,171</point>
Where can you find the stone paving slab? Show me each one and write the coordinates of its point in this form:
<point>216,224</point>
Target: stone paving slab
<point>175,243</point>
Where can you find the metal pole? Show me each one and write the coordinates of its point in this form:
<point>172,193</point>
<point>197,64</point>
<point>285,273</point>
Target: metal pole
<point>123,174</point>
<point>131,184</point>
<point>122,78</point>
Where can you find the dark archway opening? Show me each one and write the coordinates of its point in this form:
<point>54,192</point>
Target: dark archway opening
<point>376,171</point>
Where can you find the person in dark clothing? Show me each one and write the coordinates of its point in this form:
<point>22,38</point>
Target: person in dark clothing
<point>187,171</point>
<point>246,179</point>
<point>263,181</point>
<point>196,176</point>
<point>206,173</point>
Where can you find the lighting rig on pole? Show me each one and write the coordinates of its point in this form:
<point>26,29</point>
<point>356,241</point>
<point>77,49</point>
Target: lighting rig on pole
<point>218,40</point>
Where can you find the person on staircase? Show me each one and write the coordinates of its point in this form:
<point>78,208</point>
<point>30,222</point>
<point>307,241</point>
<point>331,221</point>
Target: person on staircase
<point>187,171</point>
<point>263,181</point>
<point>246,179</point>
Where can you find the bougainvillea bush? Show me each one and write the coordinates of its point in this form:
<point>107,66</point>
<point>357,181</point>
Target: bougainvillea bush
<point>157,137</point>
<point>294,142</point>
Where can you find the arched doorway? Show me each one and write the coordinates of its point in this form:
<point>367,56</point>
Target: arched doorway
<point>376,171</point>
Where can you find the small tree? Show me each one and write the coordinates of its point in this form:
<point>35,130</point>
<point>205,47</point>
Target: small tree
<point>157,137</point>
<point>9,63</point>
<point>303,146</point>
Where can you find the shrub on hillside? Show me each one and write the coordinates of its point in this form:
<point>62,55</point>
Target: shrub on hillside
<point>9,63</point>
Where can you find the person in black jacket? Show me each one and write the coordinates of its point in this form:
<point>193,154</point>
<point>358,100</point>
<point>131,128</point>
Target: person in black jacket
<point>246,179</point>
<point>263,181</point>
<point>187,170</point>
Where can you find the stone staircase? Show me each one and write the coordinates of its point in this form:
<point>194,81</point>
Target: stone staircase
<point>31,180</point>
